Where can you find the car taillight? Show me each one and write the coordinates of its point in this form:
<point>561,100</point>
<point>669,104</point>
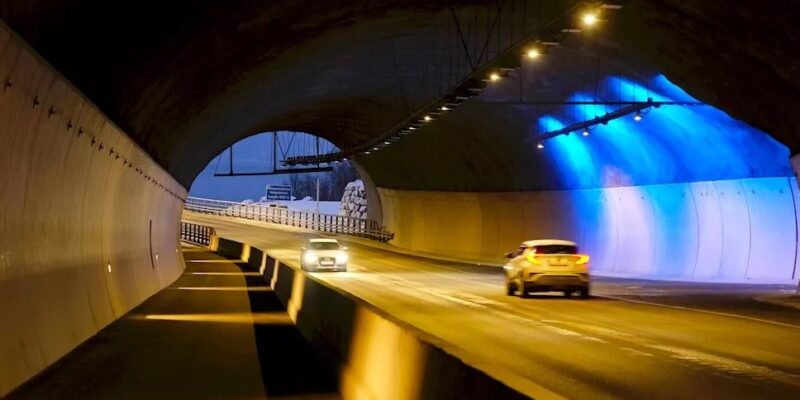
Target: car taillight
<point>583,259</point>
<point>533,259</point>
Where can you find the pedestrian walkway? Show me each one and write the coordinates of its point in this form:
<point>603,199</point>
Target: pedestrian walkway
<point>218,332</point>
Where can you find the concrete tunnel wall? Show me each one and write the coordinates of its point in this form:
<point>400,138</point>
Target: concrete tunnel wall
<point>731,230</point>
<point>71,204</point>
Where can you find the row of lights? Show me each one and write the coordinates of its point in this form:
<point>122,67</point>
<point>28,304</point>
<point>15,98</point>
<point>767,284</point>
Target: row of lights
<point>588,19</point>
<point>53,111</point>
<point>638,116</point>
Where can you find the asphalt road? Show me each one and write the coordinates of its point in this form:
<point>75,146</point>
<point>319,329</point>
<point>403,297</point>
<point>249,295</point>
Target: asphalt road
<point>218,332</point>
<point>633,340</point>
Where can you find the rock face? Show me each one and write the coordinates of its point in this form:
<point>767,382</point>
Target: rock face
<point>354,200</point>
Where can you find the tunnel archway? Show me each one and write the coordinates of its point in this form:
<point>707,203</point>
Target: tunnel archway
<point>241,172</point>
<point>171,96</point>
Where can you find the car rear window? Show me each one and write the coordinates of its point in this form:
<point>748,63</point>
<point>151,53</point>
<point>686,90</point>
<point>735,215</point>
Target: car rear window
<point>323,246</point>
<point>556,249</point>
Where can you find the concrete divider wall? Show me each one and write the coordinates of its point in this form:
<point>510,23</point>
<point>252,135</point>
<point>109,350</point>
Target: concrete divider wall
<point>734,230</point>
<point>70,205</point>
<point>377,356</point>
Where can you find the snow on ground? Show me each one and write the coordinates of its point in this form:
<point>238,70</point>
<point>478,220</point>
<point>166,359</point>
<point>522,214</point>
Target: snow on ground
<point>306,204</point>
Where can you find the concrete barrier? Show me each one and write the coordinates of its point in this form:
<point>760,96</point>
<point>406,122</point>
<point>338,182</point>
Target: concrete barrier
<point>89,226</point>
<point>377,356</point>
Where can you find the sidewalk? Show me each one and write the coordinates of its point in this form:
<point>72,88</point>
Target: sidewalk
<point>218,332</point>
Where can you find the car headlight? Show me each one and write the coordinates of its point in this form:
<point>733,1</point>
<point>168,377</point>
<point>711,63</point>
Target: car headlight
<point>310,258</point>
<point>341,257</point>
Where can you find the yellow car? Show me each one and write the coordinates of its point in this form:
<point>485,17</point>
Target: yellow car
<point>547,266</point>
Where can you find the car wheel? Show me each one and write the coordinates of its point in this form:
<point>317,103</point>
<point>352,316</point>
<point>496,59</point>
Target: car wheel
<point>585,293</point>
<point>523,291</point>
<point>510,287</point>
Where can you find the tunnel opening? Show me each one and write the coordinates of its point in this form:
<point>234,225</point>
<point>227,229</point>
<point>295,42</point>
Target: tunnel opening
<point>252,171</point>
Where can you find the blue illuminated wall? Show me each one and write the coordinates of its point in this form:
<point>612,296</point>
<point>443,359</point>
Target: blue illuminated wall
<point>672,144</point>
<point>688,193</point>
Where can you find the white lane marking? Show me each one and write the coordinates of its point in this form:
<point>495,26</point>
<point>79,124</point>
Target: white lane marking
<point>479,299</point>
<point>718,313</point>
<point>224,273</point>
<point>730,365</point>
<point>638,352</point>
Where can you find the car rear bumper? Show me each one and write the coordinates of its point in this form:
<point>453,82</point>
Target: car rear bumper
<point>336,267</point>
<point>547,282</point>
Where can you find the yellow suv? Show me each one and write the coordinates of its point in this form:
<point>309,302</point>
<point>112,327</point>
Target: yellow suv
<point>547,266</point>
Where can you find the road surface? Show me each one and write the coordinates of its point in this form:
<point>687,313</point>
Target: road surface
<point>646,340</point>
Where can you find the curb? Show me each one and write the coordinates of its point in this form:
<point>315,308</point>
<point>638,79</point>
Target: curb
<point>787,300</point>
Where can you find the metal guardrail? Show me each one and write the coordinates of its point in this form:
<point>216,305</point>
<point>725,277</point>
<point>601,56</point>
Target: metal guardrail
<point>302,219</point>
<point>197,234</point>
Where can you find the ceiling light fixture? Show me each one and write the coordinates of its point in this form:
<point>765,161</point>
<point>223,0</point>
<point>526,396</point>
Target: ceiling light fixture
<point>589,19</point>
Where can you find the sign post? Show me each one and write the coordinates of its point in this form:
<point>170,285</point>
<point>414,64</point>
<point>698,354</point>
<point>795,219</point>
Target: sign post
<point>279,192</point>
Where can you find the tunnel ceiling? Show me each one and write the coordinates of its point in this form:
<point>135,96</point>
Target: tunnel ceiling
<point>187,78</point>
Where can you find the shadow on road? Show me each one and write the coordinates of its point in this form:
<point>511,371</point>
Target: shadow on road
<point>289,365</point>
<point>215,333</point>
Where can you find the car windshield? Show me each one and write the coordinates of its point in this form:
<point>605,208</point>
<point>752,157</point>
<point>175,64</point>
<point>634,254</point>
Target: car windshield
<point>556,249</point>
<point>323,246</point>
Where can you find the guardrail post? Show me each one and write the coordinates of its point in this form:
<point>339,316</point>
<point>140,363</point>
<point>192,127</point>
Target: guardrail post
<point>305,219</point>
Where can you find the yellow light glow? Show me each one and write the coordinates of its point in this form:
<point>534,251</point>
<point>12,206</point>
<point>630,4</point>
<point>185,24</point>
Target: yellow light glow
<point>296,299</point>
<point>427,118</point>
<point>534,53</point>
<point>589,19</point>
<point>263,318</point>
<point>225,288</point>
<point>383,358</point>
<point>445,108</point>
<point>494,76</point>
<point>533,259</point>
<point>226,273</point>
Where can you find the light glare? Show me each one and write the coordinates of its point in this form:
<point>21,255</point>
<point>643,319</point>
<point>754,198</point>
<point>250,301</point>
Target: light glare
<point>589,19</point>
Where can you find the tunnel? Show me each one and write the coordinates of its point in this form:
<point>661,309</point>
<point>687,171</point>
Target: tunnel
<point>109,110</point>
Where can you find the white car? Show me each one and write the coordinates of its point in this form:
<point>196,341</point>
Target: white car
<point>546,266</point>
<point>323,255</point>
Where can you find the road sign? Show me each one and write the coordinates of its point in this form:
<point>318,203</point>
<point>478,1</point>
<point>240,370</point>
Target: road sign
<point>279,192</point>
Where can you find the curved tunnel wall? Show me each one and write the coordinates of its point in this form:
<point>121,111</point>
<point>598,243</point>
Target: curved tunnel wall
<point>76,195</point>
<point>731,230</point>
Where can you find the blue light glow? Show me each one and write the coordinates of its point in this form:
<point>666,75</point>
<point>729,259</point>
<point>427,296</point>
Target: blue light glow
<point>671,144</point>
